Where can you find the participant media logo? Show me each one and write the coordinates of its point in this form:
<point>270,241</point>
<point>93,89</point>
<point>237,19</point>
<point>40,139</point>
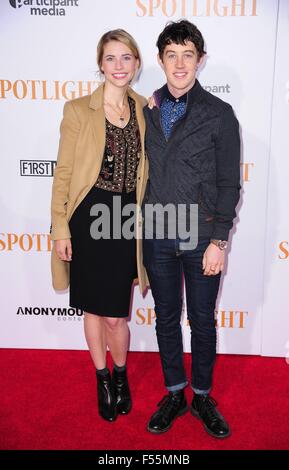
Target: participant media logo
<point>45,7</point>
<point>218,88</point>
<point>15,3</point>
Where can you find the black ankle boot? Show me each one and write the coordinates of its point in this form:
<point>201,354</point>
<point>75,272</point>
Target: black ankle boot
<point>121,392</point>
<point>106,397</point>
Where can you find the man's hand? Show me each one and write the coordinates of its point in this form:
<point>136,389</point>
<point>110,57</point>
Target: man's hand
<point>151,102</point>
<point>213,260</point>
<point>63,249</point>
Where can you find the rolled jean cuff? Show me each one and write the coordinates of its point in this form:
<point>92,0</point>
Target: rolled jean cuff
<point>175,388</point>
<point>201,392</point>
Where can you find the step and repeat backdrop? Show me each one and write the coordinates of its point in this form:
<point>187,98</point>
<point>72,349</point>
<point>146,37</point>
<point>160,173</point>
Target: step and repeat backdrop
<point>47,56</point>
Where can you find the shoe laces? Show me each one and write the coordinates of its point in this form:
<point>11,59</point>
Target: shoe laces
<point>208,405</point>
<point>167,405</point>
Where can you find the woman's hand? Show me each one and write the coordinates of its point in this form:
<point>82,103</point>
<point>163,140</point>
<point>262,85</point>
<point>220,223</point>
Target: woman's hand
<point>213,260</point>
<point>63,249</point>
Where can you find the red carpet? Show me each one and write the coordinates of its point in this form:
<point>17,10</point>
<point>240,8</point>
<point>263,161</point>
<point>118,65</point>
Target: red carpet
<point>49,402</point>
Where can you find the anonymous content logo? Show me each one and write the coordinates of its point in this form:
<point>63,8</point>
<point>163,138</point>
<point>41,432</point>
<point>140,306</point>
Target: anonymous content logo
<point>37,167</point>
<point>61,314</point>
<point>45,7</point>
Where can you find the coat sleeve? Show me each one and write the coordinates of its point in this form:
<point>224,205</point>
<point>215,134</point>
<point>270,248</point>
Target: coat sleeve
<point>69,131</point>
<point>228,174</point>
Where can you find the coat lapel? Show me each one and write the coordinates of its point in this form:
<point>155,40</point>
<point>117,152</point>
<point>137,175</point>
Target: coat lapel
<point>97,121</point>
<point>139,115</point>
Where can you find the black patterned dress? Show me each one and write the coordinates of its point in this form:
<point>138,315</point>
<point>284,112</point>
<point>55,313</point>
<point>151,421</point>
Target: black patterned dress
<point>103,262</point>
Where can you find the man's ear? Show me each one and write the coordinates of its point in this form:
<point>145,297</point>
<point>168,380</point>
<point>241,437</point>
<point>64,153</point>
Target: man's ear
<point>160,61</point>
<point>201,61</point>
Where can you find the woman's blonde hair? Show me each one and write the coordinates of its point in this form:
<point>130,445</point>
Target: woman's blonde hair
<point>117,35</point>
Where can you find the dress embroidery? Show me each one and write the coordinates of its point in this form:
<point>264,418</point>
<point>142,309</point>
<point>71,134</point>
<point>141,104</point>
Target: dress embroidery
<point>121,155</point>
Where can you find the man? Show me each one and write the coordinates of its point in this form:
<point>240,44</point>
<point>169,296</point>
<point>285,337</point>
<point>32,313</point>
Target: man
<point>193,148</point>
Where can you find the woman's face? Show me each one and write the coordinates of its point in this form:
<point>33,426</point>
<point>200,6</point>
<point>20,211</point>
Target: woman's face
<point>119,65</point>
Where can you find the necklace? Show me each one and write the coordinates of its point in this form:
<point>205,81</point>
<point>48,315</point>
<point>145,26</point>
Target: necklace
<point>120,114</point>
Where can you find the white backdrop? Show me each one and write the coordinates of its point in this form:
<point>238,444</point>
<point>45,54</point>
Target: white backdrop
<point>275,328</point>
<point>47,55</point>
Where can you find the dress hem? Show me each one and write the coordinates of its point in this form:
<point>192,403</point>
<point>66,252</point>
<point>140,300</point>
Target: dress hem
<point>99,313</point>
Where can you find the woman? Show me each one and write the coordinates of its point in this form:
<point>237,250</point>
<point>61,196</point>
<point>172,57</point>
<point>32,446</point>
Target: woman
<point>101,161</point>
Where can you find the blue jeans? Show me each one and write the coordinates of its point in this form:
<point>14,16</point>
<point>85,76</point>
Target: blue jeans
<point>166,266</point>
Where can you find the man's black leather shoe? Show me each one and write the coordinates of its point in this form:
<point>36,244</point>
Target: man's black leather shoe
<point>170,407</point>
<point>204,408</point>
<point>121,392</point>
<point>106,398</point>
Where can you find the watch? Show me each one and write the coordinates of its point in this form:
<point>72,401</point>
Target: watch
<point>222,244</point>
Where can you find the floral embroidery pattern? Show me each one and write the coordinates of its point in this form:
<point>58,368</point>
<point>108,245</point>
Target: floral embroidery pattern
<point>121,155</point>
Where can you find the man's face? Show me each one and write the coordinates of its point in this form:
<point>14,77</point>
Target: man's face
<point>180,63</point>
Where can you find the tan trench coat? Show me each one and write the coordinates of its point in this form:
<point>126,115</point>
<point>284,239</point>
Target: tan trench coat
<point>81,148</point>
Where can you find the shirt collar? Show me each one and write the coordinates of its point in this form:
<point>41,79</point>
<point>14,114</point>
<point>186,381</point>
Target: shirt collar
<point>191,96</point>
<point>168,96</point>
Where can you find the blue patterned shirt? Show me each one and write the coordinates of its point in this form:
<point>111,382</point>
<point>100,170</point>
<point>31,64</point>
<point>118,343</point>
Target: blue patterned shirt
<point>171,110</point>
